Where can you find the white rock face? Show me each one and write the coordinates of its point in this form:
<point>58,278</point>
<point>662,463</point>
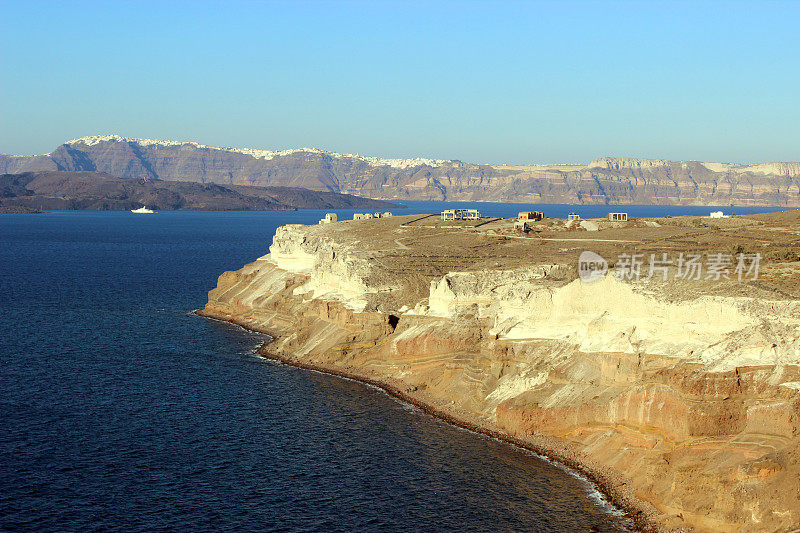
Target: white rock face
<point>617,163</point>
<point>788,169</point>
<point>457,292</point>
<point>288,253</point>
<point>778,168</point>
<point>332,273</point>
<point>721,167</point>
<point>604,316</point>
<point>612,316</point>
<point>512,385</point>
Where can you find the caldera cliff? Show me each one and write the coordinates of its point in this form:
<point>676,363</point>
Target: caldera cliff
<point>607,180</point>
<point>679,397</point>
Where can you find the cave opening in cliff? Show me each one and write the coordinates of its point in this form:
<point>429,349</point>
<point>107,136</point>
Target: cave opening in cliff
<point>393,321</point>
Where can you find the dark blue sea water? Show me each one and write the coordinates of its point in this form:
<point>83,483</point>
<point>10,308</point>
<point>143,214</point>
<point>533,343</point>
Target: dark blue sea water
<point>120,410</point>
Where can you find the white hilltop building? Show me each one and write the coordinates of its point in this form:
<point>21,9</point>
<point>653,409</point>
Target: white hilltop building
<point>399,163</point>
<point>461,214</point>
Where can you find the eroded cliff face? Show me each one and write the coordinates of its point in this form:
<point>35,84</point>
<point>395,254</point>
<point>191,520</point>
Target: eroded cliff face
<point>608,180</point>
<point>685,408</point>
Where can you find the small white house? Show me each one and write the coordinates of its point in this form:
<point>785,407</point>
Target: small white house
<point>717,214</point>
<point>362,216</point>
<point>530,215</point>
<point>387,214</point>
<point>461,214</point>
<point>618,217</point>
<point>329,217</point>
<point>522,225</point>
<point>573,216</point>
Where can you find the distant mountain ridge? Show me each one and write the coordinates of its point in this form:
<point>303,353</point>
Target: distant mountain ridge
<point>603,181</point>
<point>256,153</point>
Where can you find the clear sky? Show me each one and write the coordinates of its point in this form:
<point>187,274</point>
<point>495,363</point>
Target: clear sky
<point>517,82</point>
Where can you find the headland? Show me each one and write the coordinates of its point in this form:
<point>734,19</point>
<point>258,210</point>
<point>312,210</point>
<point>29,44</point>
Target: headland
<point>672,379</point>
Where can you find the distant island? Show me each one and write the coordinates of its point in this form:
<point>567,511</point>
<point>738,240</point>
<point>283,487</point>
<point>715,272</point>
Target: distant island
<point>606,180</point>
<point>31,192</point>
<point>18,210</point>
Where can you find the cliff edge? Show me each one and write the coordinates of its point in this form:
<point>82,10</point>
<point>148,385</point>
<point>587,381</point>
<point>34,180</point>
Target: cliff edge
<point>607,180</point>
<point>679,396</point>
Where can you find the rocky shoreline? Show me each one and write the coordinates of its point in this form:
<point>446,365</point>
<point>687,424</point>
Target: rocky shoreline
<point>19,210</point>
<point>679,401</point>
<point>613,490</point>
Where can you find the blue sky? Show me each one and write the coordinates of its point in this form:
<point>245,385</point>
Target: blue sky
<point>517,82</point>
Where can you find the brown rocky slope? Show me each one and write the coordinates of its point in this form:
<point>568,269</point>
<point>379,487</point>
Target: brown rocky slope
<point>94,190</point>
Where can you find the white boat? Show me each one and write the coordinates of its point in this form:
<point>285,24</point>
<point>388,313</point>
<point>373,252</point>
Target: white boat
<point>142,209</point>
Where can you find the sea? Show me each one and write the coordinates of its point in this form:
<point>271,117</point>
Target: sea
<point>121,410</point>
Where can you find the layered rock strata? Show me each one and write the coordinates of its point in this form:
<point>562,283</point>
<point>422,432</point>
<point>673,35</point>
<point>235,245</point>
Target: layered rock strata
<point>683,401</point>
<point>606,180</point>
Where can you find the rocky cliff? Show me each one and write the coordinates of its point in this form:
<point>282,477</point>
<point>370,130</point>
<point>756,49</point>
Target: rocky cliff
<point>681,399</point>
<point>606,180</point>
